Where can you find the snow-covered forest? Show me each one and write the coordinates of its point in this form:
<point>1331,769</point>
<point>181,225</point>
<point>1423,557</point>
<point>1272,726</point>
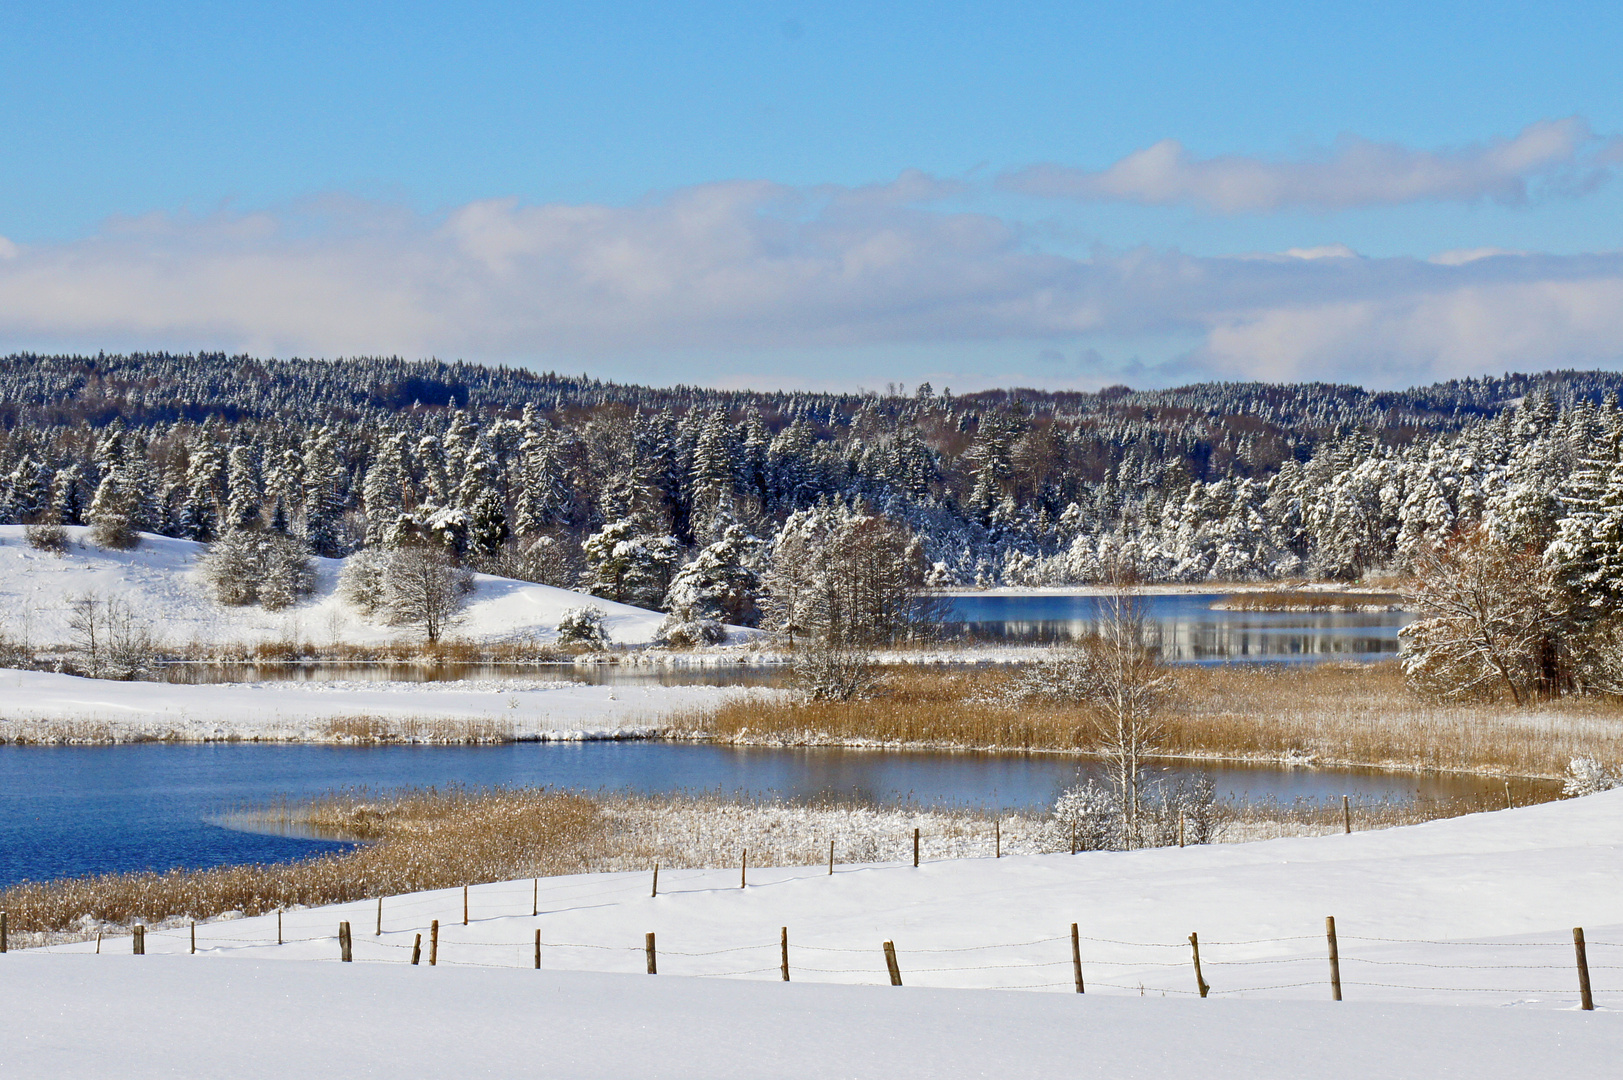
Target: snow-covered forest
<point>570,481</point>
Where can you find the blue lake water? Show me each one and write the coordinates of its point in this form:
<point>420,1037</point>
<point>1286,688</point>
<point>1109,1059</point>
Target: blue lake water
<point>1187,629</point>
<point>78,810</point>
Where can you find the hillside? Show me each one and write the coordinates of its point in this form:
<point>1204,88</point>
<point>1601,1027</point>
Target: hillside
<point>160,582</point>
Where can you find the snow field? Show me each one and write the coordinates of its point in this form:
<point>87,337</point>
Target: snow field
<point>144,1018</point>
<point>34,704</point>
<point>1474,910</point>
<point>159,580</point>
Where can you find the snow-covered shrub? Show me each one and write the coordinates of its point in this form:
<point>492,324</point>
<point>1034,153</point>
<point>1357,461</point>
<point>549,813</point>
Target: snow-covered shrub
<point>48,537</point>
<point>361,581</point>
<point>680,633</point>
<point>1586,776</point>
<point>834,670</point>
<point>1089,816</point>
<point>263,568</point>
<point>583,626</point>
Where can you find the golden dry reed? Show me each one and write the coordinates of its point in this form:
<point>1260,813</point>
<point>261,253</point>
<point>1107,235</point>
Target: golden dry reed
<point>1327,714</point>
<point>439,839</point>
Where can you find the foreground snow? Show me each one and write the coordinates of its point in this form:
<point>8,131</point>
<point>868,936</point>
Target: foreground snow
<point>1473,911</point>
<point>152,1017</point>
<point>43,706</point>
<point>159,581</point>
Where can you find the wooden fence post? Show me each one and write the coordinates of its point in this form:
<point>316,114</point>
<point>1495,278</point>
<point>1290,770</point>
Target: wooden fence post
<point>535,896</point>
<point>890,962</point>
<point>1200,981</point>
<point>433,943</point>
<point>417,950</point>
<point>1588,998</point>
<point>1076,957</point>
<point>379,931</point>
<point>656,881</point>
<point>1335,958</point>
<point>744,868</point>
<point>194,938</point>
<point>648,947</point>
<point>278,926</point>
<point>915,847</point>
<point>139,941</point>
<point>1180,828</point>
<point>344,953</point>
<point>997,838</point>
<point>831,858</point>
<point>785,949</point>
<point>538,950</point>
<point>464,905</point>
<point>1346,815</point>
<point>98,942</point>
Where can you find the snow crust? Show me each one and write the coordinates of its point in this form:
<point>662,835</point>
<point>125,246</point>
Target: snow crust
<point>1481,907</point>
<point>159,580</point>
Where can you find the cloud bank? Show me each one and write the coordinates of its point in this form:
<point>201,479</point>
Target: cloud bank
<point>755,267</point>
<point>1551,155</point>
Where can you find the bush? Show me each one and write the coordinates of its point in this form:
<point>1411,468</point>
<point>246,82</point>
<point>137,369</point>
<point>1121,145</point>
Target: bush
<point>1586,776</point>
<point>583,626</point>
<point>48,537</point>
<point>680,633</point>
<point>362,581</point>
<point>417,584</point>
<point>266,568</point>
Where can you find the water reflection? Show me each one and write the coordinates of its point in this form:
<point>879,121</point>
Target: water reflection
<point>1186,628</point>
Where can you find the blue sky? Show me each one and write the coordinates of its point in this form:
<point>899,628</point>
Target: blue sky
<point>824,195</point>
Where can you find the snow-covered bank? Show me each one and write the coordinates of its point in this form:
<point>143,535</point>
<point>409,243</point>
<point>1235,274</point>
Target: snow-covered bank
<point>159,581</point>
<point>1471,911</point>
<point>1474,909</point>
<point>144,1018</point>
<point>42,706</point>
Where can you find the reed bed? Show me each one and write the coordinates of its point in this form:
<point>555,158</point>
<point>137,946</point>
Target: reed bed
<point>1327,714</point>
<point>434,839</point>
<point>421,730</point>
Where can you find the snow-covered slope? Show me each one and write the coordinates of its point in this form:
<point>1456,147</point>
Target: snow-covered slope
<point>1473,913</point>
<point>160,582</point>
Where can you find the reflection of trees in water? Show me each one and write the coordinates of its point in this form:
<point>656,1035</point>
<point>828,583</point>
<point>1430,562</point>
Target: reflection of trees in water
<point>1202,639</point>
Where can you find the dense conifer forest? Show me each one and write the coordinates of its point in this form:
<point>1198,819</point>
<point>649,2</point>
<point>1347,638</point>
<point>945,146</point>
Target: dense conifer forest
<point>556,477</point>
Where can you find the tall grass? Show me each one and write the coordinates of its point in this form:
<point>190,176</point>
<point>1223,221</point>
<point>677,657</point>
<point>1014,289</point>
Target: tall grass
<point>416,840</point>
<point>1329,714</point>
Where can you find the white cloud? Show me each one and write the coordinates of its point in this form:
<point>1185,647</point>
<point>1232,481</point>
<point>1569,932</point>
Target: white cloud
<point>1469,255</point>
<point>1562,155</point>
<point>745,272</point>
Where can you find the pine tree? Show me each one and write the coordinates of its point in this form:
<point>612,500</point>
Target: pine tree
<point>245,499</point>
<point>322,509</point>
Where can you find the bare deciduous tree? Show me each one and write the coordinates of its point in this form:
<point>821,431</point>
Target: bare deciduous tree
<point>425,588</point>
<point>1490,619</point>
<point>110,641</point>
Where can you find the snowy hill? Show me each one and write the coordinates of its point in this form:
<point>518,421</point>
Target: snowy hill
<point>160,582</point>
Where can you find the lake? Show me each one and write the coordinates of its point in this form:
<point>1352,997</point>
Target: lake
<point>78,810</point>
<point>1186,628</point>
